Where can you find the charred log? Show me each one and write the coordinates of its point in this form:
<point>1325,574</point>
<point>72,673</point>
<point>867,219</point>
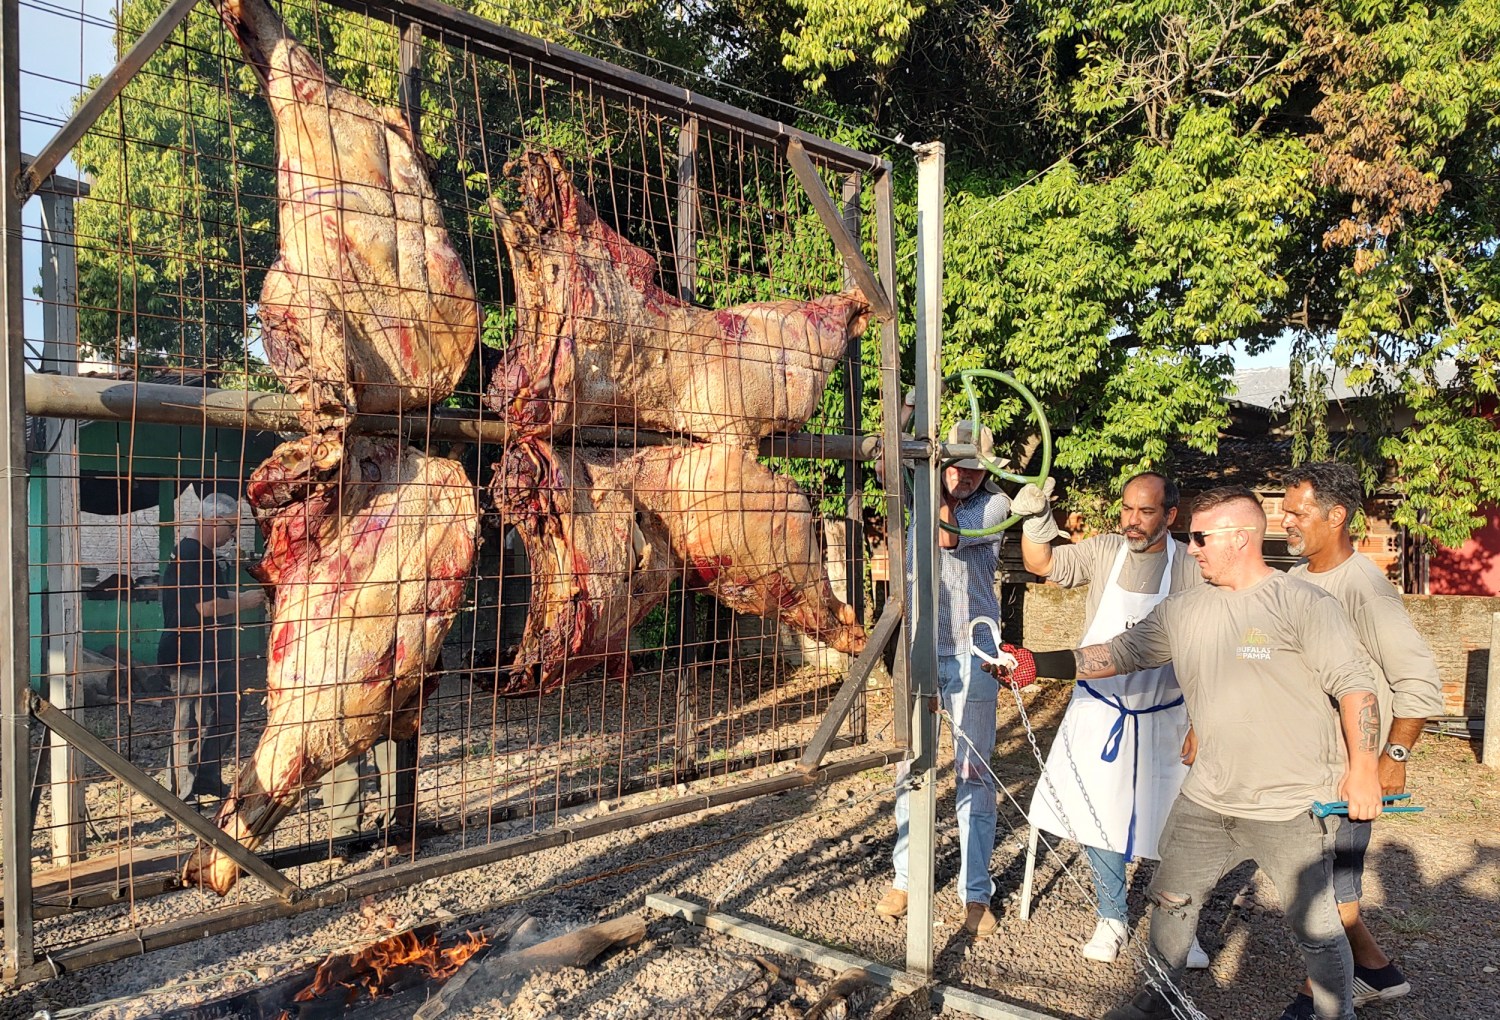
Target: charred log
<point>368,549</point>
<point>599,342</point>
<point>368,306</point>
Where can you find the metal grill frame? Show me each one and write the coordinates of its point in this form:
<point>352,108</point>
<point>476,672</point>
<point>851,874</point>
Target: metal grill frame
<point>69,398</point>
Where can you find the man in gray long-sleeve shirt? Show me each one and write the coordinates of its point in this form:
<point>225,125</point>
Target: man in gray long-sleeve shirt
<point>1321,502</point>
<point>1258,654</point>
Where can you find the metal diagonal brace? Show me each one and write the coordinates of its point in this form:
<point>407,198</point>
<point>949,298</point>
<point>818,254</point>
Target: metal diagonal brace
<point>859,673</point>
<point>59,722</point>
<point>833,220</point>
<point>108,89</point>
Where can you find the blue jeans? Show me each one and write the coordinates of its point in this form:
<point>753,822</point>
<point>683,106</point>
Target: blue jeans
<point>968,694</point>
<point>1108,868</point>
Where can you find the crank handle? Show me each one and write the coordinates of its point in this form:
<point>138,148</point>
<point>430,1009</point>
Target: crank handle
<point>1000,660</point>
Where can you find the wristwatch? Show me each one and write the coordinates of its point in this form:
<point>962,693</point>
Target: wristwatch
<point>1397,752</point>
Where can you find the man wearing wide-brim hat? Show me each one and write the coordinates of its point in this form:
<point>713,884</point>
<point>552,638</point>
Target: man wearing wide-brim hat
<point>966,588</point>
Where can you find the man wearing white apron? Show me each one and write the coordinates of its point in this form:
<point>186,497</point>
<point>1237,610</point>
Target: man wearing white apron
<point>1115,766</point>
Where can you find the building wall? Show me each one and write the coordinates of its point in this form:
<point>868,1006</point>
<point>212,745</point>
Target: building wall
<point>1471,569</point>
<point>1457,628</point>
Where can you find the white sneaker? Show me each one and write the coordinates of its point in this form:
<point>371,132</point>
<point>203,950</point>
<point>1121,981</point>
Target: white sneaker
<point>1197,958</point>
<point>1109,939</point>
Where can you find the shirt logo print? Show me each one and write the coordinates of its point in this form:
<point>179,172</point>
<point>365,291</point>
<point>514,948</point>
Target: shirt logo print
<point>1255,645</point>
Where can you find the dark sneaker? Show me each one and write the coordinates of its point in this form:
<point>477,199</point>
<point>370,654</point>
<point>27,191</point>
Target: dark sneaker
<point>1379,985</point>
<point>1301,1008</point>
<point>1147,1004</point>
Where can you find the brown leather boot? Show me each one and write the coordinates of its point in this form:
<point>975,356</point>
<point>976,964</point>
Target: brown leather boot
<point>892,905</point>
<point>978,921</point>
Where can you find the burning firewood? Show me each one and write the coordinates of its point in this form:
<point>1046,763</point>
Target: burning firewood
<point>369,552</point>
<point>368,306</point>
<point>599,342</point>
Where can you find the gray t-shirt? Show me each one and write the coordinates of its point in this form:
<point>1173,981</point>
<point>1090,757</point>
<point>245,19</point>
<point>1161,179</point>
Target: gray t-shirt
<point>1090,561</point>
<point>1403,660</point>
<point>966,574</point>
<point>1257,668</point>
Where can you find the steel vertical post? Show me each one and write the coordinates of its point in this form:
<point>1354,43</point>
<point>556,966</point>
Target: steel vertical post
<point>890,436</point>
<point>922,612</point>
<point>62,606</point>
<point>15,668</point>
<point>854,394</point>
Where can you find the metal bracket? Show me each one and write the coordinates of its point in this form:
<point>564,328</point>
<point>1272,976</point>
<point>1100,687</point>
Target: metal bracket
<point>833,220</point>
<point>59,722</point>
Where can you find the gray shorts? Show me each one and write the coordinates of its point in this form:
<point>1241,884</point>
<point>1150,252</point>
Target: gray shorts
<point>1349,846</point>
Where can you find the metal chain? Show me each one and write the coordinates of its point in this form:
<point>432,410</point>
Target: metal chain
<point>1177,1000</point>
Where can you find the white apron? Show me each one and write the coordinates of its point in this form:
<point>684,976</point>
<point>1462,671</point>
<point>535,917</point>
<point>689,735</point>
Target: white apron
<point>1120,739</point>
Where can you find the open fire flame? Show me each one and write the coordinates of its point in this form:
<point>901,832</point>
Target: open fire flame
<point>371,968</point>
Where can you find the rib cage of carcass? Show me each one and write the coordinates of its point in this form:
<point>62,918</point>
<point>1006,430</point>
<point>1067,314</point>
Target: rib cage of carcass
<point>598,342</point>
<point>369,542</point>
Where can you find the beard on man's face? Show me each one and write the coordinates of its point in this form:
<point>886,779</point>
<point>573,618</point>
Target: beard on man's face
<point>1139,539</point>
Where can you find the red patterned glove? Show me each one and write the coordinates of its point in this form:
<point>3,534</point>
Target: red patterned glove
<point>1024,675</point>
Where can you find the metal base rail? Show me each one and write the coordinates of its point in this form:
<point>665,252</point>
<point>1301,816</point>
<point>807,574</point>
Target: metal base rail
<point>190,929</point>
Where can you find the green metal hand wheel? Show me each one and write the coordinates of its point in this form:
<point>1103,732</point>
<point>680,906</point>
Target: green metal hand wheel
<point>994,467</point>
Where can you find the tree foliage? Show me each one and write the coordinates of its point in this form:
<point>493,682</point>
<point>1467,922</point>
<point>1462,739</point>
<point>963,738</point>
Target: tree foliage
<point>1137,190</point>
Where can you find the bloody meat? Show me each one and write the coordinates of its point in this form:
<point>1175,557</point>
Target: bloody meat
<point>607,532</point>
<point>369,544</point>
<point>598,342</point>
<point>367,306</point>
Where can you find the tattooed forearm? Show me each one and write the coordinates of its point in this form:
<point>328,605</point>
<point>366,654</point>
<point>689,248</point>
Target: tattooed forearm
<point>1369,724</point>
<point>1094,661</point>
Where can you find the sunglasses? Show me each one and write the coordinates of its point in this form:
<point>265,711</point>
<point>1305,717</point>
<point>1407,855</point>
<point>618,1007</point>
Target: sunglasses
<point>1199,537</point>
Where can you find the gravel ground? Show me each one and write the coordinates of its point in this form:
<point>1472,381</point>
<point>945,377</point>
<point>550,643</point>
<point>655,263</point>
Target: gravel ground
<point>813,862</point>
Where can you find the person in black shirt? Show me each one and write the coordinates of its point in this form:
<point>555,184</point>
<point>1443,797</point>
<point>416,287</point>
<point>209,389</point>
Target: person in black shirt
<point>197,647</point>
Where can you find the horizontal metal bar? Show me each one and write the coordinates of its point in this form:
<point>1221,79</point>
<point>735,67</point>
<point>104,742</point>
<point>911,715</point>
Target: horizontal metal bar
<point>210,923</point>
<point>838,960</point>
<point>58,396</point>
<point>490,39</point>
<point>109,87</point>
<point>846,243</point>
<point>83,740</point>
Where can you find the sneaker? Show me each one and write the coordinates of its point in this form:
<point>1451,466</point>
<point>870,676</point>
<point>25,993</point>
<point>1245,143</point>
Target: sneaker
<point>892,905</point>
<point>1109,938</point>
<point>1197,958</point>
<point>1379,985</point>
<point>979,921</point>
<point>1146,1004</point>
<point>1300,1008</point>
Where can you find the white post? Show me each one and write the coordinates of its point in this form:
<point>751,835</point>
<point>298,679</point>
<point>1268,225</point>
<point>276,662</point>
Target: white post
<point>1490,753</point>
<point>923,609</point>
<point>63,598</point>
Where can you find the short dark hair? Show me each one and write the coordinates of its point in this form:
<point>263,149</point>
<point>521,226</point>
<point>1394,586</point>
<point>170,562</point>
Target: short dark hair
<point>1171,495</point>
<point>1226,494</point>
<point>1332,484</point>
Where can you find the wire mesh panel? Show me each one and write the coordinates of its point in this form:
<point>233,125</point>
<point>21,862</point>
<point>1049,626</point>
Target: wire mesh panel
<point>523,503</point>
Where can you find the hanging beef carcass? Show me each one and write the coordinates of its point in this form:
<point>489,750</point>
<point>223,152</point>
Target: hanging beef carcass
<point>745,534</point>
<point>597,565</point>
<point>367,307</point>
<point>599,342</point>
<point>369,544</point>
<point>607,532</point>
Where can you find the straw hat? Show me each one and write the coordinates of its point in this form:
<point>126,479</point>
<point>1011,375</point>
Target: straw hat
<point>963,432</point>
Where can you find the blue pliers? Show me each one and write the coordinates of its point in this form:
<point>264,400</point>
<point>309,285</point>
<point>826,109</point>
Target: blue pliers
<point>1341,807</point>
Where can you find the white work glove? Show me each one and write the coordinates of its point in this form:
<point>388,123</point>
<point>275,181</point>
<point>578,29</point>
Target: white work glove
<point>1035,505</point>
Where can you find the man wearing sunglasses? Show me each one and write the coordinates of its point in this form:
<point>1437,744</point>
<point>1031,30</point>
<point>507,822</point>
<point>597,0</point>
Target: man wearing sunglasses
<point>1321,502</point>
<point>1116,766</point>
<point>1257,654</point>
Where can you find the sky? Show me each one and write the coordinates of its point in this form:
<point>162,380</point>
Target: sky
<point>73,41</point>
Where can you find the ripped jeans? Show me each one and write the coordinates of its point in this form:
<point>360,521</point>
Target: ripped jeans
<point>968,694</point>
<point>1199,847</point>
